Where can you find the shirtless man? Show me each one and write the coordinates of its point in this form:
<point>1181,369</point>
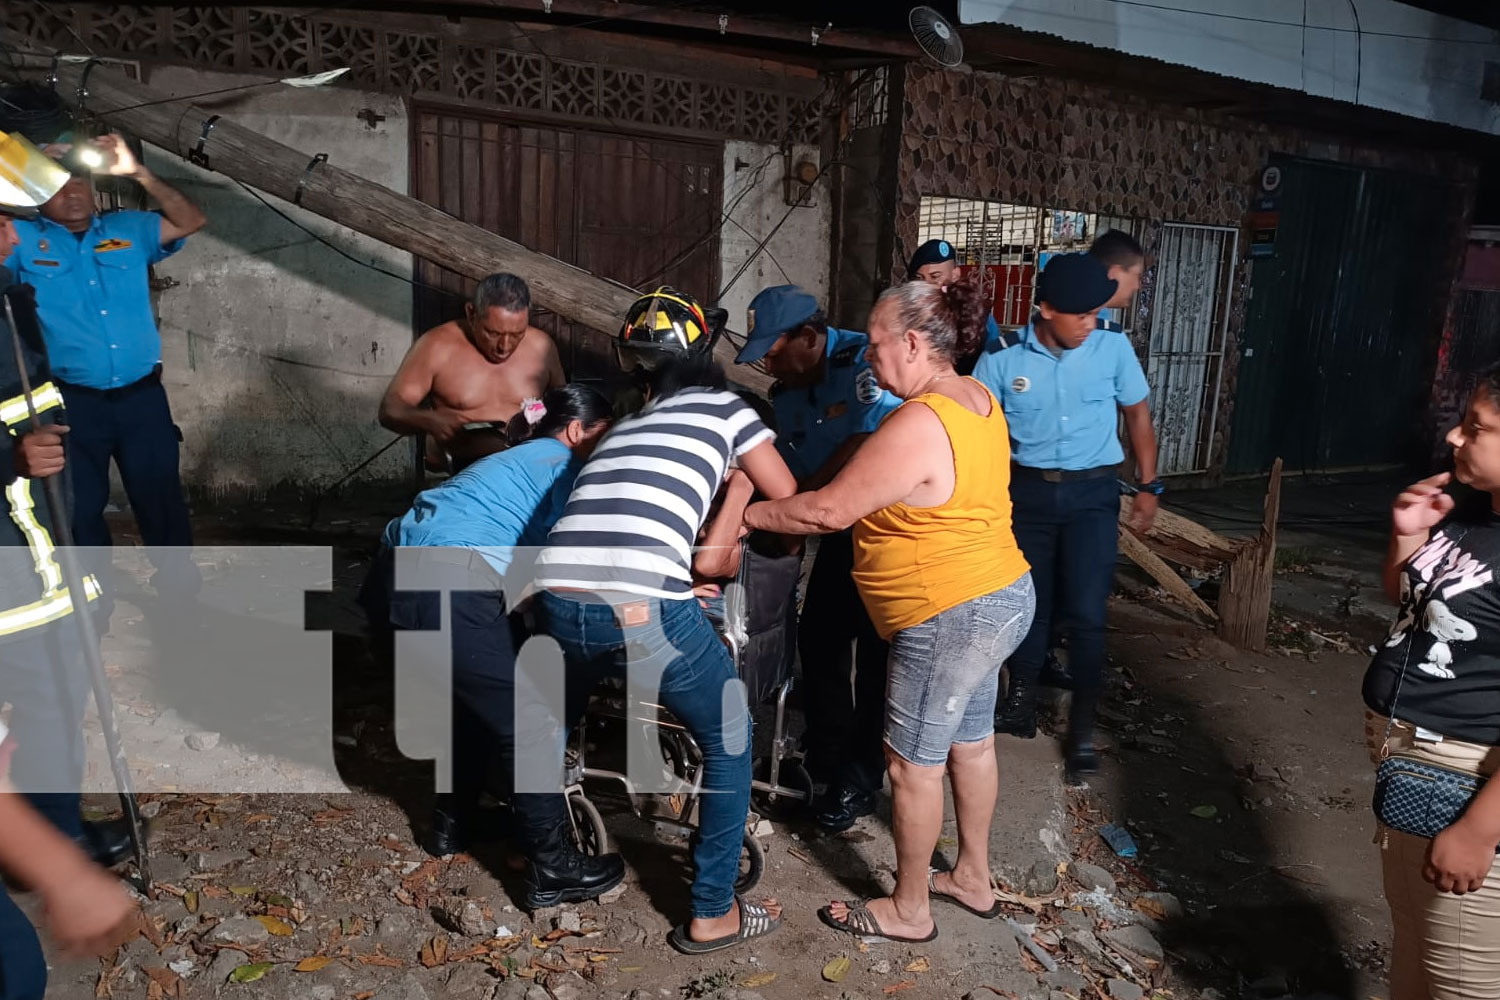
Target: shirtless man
<point>476,370</point>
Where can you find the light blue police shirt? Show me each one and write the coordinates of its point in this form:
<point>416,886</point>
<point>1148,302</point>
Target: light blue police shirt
<point>1062,410</point>
<point>812,422</point>
<point>93,294</point>
<point>504,500</point>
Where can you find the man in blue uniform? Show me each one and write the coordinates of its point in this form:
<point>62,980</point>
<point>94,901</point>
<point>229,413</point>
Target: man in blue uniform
<point>93,298</point>
<point>1063,384</point>
<point>827,402</point>
<point>936,263</point>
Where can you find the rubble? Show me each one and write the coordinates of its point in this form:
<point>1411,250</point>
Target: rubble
<point>1124,989</point>
<point>1137,945</point>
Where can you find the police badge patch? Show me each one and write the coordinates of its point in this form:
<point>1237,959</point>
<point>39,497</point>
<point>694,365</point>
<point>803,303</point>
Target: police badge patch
<point>866,389</point>
<point>1020,383</point>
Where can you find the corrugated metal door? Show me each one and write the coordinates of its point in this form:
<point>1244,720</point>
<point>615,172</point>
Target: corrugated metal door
<point>1340,322</point>
<point>641,211</point>
<point>1185,359</point>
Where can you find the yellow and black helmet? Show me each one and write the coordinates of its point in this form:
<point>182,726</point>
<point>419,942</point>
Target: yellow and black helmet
<point>661,325</point>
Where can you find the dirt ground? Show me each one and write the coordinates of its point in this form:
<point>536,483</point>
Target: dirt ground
<point>1240,776</point>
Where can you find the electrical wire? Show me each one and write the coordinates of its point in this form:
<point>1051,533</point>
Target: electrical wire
<point>1294,24</point>
<point>1359,50</point>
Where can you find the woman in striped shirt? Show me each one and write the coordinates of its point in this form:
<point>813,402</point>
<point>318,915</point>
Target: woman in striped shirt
<point>617,574</point>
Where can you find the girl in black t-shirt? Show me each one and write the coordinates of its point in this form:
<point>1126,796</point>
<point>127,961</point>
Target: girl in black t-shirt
<point>1438,675</point>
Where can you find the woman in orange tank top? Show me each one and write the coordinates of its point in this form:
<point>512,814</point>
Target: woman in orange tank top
<point>940,573</point>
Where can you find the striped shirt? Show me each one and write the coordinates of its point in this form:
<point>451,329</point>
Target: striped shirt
<point>643,496</point>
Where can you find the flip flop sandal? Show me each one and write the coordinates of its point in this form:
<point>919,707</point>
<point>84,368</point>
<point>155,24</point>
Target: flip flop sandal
<point>990,914</point>
<point>755,921</point>
<point>862,923</point>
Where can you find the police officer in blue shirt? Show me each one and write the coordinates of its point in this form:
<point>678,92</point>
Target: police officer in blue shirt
<point>1063,383</point>
<point>94,301</point>
<point>827,402</point>
<point>936,263</point>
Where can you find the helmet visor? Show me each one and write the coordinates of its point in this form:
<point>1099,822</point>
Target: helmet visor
<point>650,359</point>
<point>28,177</point>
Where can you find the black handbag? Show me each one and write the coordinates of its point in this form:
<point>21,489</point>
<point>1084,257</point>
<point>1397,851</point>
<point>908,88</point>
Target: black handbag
<point>1411,795</point>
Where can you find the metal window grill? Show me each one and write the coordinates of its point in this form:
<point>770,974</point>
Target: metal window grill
<point>1008,245</point>
<point>868,95</point>
<point>1189,330</point>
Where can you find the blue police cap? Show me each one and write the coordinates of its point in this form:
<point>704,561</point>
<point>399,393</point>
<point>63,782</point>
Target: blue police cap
<point>773,312</point>
<point>1075,283</point>
<point>931,252</point>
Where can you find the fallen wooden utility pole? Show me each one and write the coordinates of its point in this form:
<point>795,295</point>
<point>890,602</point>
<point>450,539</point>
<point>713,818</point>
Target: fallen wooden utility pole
<point>1244,606</point>
<point>215,143</point>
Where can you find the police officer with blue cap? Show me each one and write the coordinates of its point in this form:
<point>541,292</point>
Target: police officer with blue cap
<point>1063,383</point>
<point>936,262</point>
<point>827,402</point>
<point>93,296</point>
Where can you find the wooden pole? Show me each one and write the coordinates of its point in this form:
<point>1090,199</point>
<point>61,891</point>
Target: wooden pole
<point>1173,584</point>
<point>1245,599</point>
<point>219,144</point>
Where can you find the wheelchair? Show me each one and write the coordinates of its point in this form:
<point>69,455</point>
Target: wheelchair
<point>759,626</point>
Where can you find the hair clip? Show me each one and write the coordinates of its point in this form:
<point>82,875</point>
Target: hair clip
<point>533,410</point>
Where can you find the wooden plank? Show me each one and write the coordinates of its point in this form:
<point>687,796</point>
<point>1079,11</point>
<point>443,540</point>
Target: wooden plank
<point>1184,541</point>
<point>348,199</point>
<point>1245,597</point>
<point>1173,584</point>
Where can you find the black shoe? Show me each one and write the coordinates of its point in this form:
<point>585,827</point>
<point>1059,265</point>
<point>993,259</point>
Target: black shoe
<point>1054,674</point>
<point>444,836</point>
<point>563,875</point>
<point>1018,715</point>
<point>846,805</point>
<point>1082,764</point>
<point>107,842</point>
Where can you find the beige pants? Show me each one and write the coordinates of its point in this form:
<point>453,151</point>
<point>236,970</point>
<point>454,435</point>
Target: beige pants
<point>1446,947</point>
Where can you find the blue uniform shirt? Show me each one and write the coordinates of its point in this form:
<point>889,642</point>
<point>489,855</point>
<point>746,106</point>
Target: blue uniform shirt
<point>1062,410</point>
<point>501,501</point>
<point>93,294</point>
<point>812,422</point>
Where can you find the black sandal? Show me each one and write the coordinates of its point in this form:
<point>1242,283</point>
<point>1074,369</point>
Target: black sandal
<point>755,921</point>
<point>990,914</point>
<point>862,923</point>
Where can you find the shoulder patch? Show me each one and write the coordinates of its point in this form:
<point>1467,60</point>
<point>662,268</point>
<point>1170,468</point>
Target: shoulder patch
<point>1006,340</point>
<point>866,388</point>
<point>846,356</point>
<point>1110,325</point>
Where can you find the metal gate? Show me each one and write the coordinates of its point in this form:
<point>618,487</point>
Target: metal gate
<point>1189,326</point>
<point>642,211</point>
<point>1342,321</point>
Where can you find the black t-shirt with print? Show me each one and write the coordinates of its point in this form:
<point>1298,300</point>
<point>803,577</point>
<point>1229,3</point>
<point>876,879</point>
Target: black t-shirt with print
<point>1446,636</point>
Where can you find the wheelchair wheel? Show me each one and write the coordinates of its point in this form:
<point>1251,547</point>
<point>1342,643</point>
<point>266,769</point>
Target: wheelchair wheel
<point>752,864</point>
<point>792,775</point>
<point>589,835</point>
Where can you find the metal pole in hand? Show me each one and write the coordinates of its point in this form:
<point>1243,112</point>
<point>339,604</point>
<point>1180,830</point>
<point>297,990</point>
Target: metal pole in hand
<point>67,558</point>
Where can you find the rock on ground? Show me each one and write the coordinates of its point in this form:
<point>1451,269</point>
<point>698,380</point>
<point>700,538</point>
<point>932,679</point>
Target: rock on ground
<point>1124,989</point>
<point>240,930</point>
<point>1137,943</point>
<point>1091,876</point>
<point>225,962</point>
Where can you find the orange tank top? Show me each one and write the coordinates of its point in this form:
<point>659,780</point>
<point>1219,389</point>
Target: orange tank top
<point>911,563</point>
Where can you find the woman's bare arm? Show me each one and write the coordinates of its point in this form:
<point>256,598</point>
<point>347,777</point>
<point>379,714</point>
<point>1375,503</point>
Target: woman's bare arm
<point>886,469</point>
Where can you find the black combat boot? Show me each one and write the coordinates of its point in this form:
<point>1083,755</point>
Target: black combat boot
<point>560,873</point>
<point>1082,760</point>
<point>1017,716</point>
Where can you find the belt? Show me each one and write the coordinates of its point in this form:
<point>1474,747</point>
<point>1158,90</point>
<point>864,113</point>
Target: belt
<point>124,390</point>
<point>1061,475</point>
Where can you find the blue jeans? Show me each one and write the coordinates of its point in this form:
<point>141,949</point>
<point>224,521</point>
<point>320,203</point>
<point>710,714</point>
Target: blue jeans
<point>674,658</point>
<point>1069,533</point>
<point>23,970</point>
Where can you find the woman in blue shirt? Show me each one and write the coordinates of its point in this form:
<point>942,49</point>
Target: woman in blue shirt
<point>473,523</point>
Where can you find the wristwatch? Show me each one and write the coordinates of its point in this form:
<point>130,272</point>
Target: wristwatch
<point>1156,487</point>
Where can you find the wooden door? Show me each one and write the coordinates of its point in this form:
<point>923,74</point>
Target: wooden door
<point>641,211</point>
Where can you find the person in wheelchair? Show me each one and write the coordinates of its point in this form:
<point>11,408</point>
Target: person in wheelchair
<point>478,517</point>
<point>617,581</point>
